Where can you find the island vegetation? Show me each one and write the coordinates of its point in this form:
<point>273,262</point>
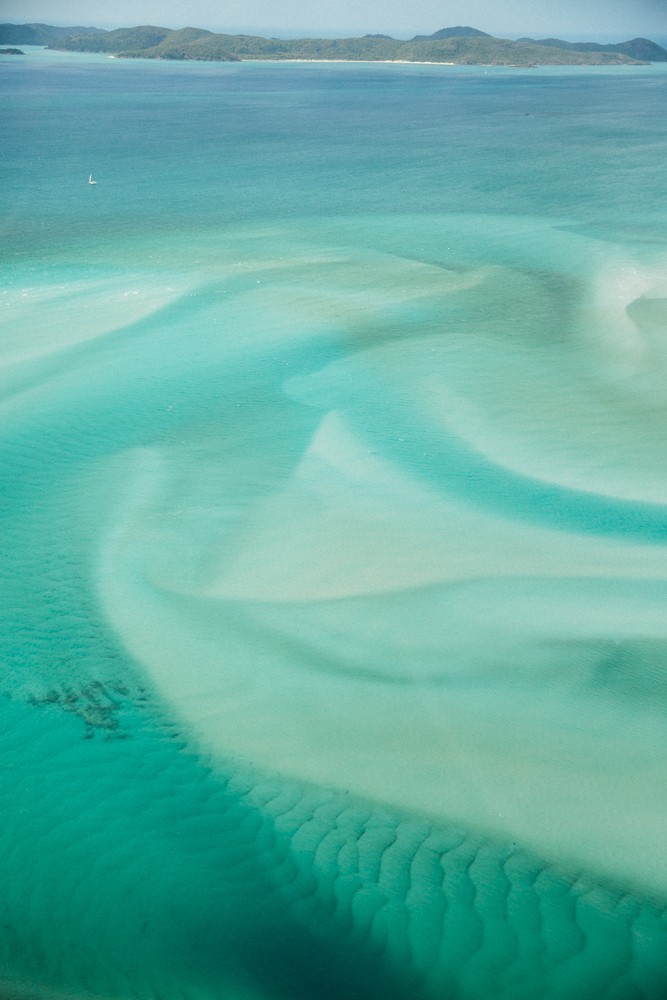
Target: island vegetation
<point>459,45</point>
<point>638,48</point>
<point>39,34</point>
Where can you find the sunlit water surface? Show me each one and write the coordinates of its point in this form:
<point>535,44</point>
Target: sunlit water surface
<point>333,574</point>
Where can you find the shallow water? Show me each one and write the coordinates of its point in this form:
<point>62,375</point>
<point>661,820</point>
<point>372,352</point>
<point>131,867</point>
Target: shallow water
<point>333,499</point>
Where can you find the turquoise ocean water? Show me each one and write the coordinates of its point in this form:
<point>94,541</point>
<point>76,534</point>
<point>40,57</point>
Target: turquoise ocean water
<point>333,643</point>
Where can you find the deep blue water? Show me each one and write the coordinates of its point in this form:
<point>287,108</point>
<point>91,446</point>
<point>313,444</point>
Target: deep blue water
<point>348,138</point>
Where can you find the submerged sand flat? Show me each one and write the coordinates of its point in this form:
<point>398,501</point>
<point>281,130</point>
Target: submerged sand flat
<point>334,559</point>
<point>359,595</point>
<point>347,537</point>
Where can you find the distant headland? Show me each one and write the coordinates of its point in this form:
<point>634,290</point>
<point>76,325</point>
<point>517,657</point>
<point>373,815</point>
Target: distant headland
<point>459,45</point>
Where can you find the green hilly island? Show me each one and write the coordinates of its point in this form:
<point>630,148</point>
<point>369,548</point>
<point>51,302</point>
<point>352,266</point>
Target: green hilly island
<point>458,45</point>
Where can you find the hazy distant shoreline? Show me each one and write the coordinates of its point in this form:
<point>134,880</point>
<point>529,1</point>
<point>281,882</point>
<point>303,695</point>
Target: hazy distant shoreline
<point>448,46</point>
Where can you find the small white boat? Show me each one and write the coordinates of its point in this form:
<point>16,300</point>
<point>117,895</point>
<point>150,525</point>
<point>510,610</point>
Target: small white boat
<point>90,180</point>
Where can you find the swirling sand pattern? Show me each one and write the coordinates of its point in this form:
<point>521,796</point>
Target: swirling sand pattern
<point>355,586</point>
<point>359,565</point>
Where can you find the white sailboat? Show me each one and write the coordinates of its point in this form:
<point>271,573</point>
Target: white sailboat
<point>90,180</point>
